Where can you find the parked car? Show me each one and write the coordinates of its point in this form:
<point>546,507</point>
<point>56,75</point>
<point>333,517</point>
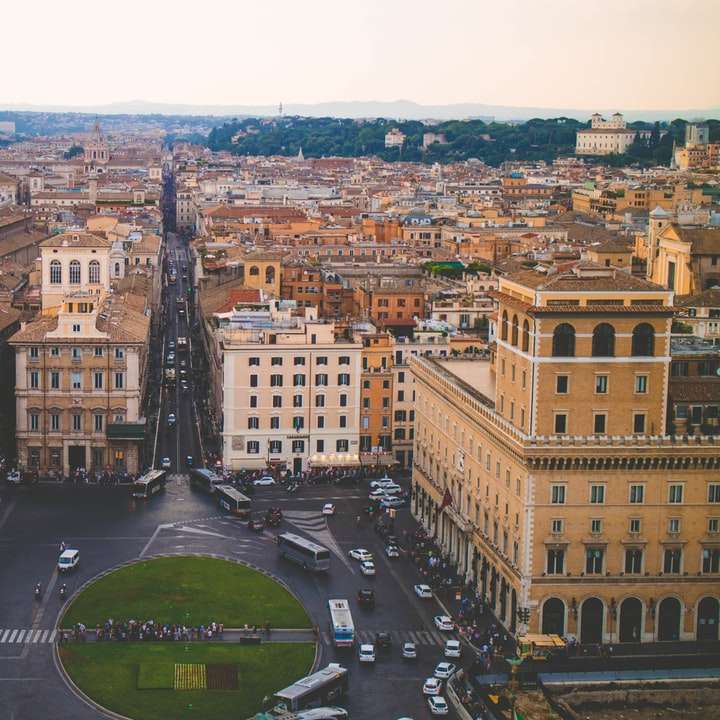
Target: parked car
<point>392,489</point>
<point>409,651</point>
<point>444,670</point>
<point>328,509</point>
<point>171,344</point>
<point>366,598</point>
<point>432,686</point>
<point>423,591</point>
<point>453,648</point>
<point>366,653</point>
<point>367,567</point>
<point>382,482</point>
<point>377,494</point>
<point>264,480</point>
<point>360,554</point>
<point>443,622</point>
<point>438,705</point>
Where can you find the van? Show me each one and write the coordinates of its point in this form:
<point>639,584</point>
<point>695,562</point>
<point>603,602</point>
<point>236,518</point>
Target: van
<point>68,560</point>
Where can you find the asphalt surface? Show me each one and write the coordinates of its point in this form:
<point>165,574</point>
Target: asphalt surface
<point>109,527</point>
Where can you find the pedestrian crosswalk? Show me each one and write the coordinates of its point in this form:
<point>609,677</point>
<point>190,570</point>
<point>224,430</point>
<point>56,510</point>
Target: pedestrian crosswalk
<point>25,635</point>
<point>419,637</point>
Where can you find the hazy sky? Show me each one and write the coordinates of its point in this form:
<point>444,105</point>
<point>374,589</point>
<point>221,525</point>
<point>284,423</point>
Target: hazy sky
<point>625,54</point>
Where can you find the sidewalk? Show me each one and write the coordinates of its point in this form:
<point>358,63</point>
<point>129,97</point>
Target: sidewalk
<point>229,635</point>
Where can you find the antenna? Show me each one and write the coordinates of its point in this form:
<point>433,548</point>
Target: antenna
<point>280,109</point>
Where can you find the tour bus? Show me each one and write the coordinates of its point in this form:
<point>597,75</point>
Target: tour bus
<point>341,623</point>
<point>149,484</point>
<point>322,687</point>
<point>304,552</point>
<point>205,480</point>
<point>233,501</point>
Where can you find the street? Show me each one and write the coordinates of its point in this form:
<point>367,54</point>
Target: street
<point>109,527</point>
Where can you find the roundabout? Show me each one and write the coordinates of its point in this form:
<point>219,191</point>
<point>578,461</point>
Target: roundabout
<point>158,657</point>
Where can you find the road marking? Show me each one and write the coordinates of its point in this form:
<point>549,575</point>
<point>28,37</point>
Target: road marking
<point>413,638</point>
<point>20,636</point>
<point>439,639</point>
<point>4,637</point>
<point>52,636</point>
<point>44,635</point>
<point>12,636</point>
<point>38,633</point>
<point>160,527</point>
<point>326,638</point>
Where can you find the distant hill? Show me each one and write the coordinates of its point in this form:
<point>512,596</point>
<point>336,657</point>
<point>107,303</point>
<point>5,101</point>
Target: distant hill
<point>493,143</point>
<point>399,109</point>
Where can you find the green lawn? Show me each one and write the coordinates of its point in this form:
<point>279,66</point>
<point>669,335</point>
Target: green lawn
<point>187,590</point>
<point>108,673</point>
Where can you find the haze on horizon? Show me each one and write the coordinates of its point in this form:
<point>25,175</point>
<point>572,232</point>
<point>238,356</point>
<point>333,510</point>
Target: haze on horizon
<point>624,54</point>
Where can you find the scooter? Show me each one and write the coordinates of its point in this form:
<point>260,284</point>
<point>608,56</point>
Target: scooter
<point>63,591</point>
<point>38,591</point>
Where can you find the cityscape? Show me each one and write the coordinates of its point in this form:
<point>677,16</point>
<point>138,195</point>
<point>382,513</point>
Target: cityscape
<point>324,407</point>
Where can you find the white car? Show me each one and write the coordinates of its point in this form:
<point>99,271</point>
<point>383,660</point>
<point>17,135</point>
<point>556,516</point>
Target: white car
<point>264,480</point>
<point>367,653</point>
<point>393,489</point>
<point>367,567</point>
<point>360,554</point>
<point>423,591</point>
<point>438,705</point>
<point>391,501</point>
<point>171,419</point>
<point>444,670</point>
<point>453,648</point>
<point>443,622</point>
<point>166,464</point>
<point>409,651</point>
<point>432,686</point>
<point>382,482</point>
<point>378,494</point>
<point>392,551</point>
<point>69,559</point>
<point>328,509</point>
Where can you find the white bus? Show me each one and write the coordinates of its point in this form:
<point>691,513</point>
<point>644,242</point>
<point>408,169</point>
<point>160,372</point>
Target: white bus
<point>205,480</point>
<point>149,484</point>
<point>232,500</point>
<point>322,687</point>
<point>341,623</point>
<point>304,552</point>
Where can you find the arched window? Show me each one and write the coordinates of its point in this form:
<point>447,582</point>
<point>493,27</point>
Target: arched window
<point>526,336</point>
<point>117,269</point>
<point>514,339</point>
<point>269,274</point>
<point>254,270</point>
<point>603,342</point>
<point>564,341</point>
<point>643,340</point>
<point>74,272</point>
<point>55,272</point>
<point>504,326</point>
<point>94,272</point>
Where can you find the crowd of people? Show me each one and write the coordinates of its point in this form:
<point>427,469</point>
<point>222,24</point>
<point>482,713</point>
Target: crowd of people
<point>133,630</point>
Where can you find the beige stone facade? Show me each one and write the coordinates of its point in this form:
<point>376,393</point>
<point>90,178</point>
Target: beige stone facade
<point>568,498</point>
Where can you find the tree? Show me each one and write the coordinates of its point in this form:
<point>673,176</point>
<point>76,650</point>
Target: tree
<point>74,151</point>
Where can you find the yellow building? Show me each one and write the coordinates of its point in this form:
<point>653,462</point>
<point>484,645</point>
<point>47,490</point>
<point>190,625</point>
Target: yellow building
<point>569,501</point>
<point>376,398</point>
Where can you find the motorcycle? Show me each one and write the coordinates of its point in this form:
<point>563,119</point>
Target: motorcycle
<point>38,591</point>
<point>63,591</point>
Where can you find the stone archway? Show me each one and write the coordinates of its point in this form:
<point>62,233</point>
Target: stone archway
<point>669,619</point>
<point>708,615</point>
<point>513,611</point>
<point>630,623</point>
<point>591,621</point>
<point>553,617</point>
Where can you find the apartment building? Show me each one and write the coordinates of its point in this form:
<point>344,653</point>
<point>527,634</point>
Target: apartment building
<point>390,302</point>
<point>548,477</point>
<point>376,397</point>
<point>291,390</point>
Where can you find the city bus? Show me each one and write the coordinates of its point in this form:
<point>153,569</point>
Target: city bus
<point>205,480</point>
<point>303,552</point>
<point>341,623</point>
<point>233,501</point>
<point>149,484</point>
<point>321,688</point>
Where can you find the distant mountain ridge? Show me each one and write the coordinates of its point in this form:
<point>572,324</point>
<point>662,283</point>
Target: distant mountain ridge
<point>405,109</point>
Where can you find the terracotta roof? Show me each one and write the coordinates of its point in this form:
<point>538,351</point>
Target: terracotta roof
<point>583,281</point>
<point>708,298</point>
<point>8,315</point>
<point>76,239</point>
<point>704,241</point>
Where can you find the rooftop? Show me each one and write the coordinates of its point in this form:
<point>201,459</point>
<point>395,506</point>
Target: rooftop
<point>475,376</point>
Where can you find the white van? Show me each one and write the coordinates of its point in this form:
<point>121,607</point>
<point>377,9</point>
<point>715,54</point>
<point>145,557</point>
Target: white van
<point>68,560</point>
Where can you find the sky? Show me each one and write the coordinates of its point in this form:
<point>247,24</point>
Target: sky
<point>624,54</point>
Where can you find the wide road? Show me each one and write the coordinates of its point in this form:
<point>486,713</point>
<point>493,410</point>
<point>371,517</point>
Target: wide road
<point>108,527</point>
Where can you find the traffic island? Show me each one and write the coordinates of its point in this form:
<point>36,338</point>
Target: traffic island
<point>153,679</point>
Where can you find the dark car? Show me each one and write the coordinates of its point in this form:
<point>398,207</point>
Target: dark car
<point>366,598</point>
<point>383,640</point>
<point>273,517</point>
<point>256,523</point>
<point>189,461</point>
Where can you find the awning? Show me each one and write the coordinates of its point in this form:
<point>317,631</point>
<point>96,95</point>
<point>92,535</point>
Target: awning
<point>384,459</point>
<point>334,460</point>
